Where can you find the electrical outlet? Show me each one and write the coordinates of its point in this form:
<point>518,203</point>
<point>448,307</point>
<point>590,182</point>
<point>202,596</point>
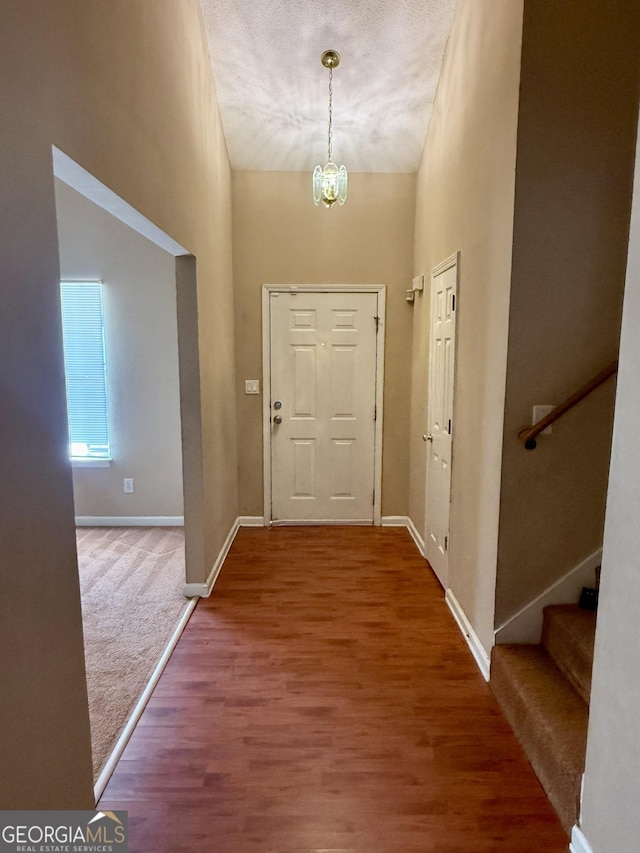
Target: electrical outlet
<point>128,485</point>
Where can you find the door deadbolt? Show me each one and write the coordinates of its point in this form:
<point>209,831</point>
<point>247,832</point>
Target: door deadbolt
<point>277,404</point>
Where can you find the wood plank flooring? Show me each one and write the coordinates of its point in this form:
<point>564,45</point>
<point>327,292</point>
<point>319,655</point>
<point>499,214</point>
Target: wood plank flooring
<point>323,701</point>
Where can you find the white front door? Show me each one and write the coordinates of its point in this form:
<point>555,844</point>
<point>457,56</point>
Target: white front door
<point>323,351</point>
<point>440,415</point>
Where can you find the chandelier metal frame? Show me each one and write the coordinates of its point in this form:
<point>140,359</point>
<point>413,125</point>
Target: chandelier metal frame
<point>330,182</point>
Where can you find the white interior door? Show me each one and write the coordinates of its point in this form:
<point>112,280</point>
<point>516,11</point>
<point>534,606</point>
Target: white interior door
<point>440,415</point>
<point>323,350</point>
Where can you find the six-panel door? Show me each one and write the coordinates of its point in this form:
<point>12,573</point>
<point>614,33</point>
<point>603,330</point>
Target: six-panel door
<point>323,393</point>
<point>440,419</point>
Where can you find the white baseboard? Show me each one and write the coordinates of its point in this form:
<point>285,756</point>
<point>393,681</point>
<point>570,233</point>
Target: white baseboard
<point>394,521</point>
<point>203,590</point>
<point>317,522</point>
<point>129,521</point>
<point>196,590</point>
<point>525,626</point>
<point>251,521</point>
<point>477,649</point>
<point>417,538</point>
<point>405,521</point>
<point>579,843</point>
<point>122,741</point>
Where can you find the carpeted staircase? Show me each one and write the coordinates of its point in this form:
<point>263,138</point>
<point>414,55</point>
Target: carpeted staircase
<point>544,693</point>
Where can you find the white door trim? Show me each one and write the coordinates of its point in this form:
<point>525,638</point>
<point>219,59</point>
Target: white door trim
<point>267,290</point>
<point>452,261</point>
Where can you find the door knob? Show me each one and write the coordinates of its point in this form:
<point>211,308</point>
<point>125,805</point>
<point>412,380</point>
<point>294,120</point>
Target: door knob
<point>428,437</point>
<point>277,419</point>
<point>277,404</point>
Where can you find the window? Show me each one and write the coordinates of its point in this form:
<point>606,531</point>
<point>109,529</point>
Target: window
<point>84,364</point>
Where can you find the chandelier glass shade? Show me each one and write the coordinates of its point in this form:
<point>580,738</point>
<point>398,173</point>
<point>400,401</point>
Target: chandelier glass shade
<point>330,182</point>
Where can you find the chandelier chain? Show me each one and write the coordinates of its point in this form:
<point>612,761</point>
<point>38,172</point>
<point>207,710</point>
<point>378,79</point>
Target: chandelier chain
<point>330,112</point>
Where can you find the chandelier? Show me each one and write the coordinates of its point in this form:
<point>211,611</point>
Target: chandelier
<point>330,183</point>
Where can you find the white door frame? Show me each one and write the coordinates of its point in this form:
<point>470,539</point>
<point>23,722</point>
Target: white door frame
<point>452,261</point>
<point>267,290</point>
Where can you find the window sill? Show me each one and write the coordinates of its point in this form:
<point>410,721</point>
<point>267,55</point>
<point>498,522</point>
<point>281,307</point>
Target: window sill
<point>91,463</point>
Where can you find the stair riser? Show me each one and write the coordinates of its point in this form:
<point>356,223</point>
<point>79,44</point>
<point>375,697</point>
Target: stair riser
<point>568,635</point>
<point>553,740</point>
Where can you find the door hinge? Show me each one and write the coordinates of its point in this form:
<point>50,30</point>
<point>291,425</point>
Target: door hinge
<point>446,543</point>
<point>377,319</point>
<point>375,412</point>
<point>453,302</point>
<point>449,426</point>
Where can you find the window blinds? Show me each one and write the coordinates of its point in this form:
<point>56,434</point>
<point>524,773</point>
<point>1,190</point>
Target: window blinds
<point>85,370</point>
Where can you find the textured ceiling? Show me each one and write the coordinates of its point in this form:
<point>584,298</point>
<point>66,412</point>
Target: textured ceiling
<point>273,90</point>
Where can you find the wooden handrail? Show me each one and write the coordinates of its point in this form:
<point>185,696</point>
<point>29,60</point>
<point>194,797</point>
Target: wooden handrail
<point>528,434</point>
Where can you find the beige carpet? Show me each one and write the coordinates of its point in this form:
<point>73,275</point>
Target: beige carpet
<point>131,580</point>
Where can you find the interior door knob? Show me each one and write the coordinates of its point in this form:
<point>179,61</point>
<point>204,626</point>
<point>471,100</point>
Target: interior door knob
<point>277,419</point>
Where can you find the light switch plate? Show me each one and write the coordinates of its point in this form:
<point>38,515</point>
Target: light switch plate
<point>538,413</point>
<point>251,386</point>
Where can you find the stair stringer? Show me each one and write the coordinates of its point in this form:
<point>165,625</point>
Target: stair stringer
<point>525,626</point>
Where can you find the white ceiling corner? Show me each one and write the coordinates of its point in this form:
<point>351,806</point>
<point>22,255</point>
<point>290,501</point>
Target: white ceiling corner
<point>273,90</point>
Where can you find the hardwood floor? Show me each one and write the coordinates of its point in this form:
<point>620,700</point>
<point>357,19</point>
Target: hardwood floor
<point>323,701</point>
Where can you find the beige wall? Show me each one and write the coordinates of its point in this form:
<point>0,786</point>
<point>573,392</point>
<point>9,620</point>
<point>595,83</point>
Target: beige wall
<point>141,343</point>
<point>465,203</point>
<point>610,817</point>
<point>280,237</point>
<point>125,90</point>
<point>576,137</point>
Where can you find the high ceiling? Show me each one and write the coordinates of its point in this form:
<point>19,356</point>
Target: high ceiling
<point>273,90</point>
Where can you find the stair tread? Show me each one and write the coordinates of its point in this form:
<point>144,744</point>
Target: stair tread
<point>548,717</point>
<point>545,686</point>
<point>568,635</point>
